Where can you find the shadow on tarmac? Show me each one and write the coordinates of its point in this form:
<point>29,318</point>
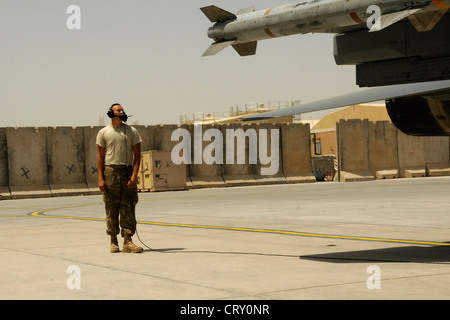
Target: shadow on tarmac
<point>414,254</point>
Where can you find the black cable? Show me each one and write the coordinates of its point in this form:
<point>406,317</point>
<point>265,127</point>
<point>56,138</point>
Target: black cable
<point>137,234</point>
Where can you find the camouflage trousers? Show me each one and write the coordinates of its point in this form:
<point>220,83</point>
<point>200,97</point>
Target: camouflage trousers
<point>120,201</point>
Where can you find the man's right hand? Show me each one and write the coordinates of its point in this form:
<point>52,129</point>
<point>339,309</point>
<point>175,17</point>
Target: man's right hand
<point>102,186</point>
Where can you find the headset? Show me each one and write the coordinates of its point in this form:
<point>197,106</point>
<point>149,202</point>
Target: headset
<point>124,117</point>
<point>110,112</point>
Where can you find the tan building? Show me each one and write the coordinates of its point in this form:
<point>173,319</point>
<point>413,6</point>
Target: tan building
<point>323,134</point>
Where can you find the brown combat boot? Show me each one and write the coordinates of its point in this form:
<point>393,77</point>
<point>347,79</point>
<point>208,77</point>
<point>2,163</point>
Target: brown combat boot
<point>129,246</point>
<point>114,244</point>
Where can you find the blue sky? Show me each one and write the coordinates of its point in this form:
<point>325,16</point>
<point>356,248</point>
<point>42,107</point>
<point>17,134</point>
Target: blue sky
<point>147,56</point>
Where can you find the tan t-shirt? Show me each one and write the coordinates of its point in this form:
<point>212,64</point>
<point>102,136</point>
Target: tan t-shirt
<point>118,144</point>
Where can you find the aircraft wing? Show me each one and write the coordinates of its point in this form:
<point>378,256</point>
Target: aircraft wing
<point>362,96</point>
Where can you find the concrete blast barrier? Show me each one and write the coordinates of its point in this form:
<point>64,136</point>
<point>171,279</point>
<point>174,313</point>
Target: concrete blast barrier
<point>388,152</point>
<point>148,137</point>
<point>204,172</point>
<point>163,134</point>
<point>383,150</point>
<point>66,161</point>
<point>437,158</point>
<point>90,162</point>
<point>353,150</point>
<point>43,162</point>
<point>269,168</point>
<point>296,153</point>
<point>235,172</point>
<point>27,162</point>
<point>4,183</point>
<point>411,155</point>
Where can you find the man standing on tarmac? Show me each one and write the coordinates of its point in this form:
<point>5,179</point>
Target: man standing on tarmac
<point>118,160</point>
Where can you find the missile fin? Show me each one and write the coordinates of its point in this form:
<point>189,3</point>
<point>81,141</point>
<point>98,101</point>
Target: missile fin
<point>427,20</point>
<point>216,14</point>
<point>217,47</point>
<point>389,19</point>
<point>246,49</point>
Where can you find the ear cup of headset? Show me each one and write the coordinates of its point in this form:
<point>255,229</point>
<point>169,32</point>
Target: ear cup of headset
<point>110,113</point>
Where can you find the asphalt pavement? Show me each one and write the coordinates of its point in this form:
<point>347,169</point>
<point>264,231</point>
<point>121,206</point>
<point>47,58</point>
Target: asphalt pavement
<point>375,240</point>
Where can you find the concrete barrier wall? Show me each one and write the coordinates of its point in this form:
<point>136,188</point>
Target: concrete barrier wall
<point>411,156</point>
<point>66,161</point>
<point>204,174</point>
<point>383,150</point>
<point>4,180</point>
<point>353,150</point>
<point>41,162</point>
<point>368,150</point>
<point>269,166</point>
<point>162,137</point>
<point>27,162</point>
<point>296,154</point>
<point>90,158</point>
<point>215,158</point>
<point>437,156</point>
<point>233,172</point>
<point>60,161</point>
<point>148,136</point>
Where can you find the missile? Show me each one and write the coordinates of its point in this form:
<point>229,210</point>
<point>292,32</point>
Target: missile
<point>245,28</point>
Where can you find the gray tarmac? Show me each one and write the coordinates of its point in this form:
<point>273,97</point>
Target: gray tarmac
<point>384,239</point>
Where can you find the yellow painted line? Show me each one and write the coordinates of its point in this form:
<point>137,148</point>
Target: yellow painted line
<point>40,214</point>
<point>294,233</point>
